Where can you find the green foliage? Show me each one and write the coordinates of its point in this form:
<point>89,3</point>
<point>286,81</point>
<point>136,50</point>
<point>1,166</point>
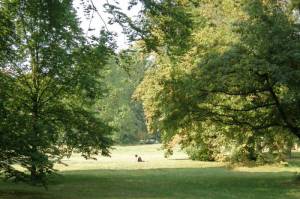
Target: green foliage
<point>295,4</point>
<point>117,107</point>
<point>49,82</point>
<point>158,23</point>
<point>239,73</point>
<point>200,152</point>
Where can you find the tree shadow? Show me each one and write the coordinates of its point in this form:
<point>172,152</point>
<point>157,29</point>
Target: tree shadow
<point>172,183</point>
<point>295,160</point>
<point>22,194</point>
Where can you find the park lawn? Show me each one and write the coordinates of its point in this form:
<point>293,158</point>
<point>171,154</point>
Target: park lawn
<point>176,177</point>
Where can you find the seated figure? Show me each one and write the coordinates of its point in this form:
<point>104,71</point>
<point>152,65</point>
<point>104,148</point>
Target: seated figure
<point>139,159</point>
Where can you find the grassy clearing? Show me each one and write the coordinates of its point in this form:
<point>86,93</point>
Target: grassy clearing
<point>122,177</point>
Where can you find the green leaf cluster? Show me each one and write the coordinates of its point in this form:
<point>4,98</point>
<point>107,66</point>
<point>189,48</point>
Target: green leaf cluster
<point>125,115</point>
<point>234,89</point>
<point>49,81</point>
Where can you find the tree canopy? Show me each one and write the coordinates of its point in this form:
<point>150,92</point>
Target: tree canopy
<point>232,71</point>
<point>49,82</point>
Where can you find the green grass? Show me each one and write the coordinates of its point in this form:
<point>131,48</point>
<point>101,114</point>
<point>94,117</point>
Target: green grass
<point>122,177</point>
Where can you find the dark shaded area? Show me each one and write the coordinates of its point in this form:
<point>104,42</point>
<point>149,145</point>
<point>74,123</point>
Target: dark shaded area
<point>295,160</point>
<point>160,183</point>
<point>22,194</point>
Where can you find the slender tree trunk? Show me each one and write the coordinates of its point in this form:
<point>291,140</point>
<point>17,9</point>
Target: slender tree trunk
<point>251,149</point>
<point>34,150</point>
<point>35,116</point>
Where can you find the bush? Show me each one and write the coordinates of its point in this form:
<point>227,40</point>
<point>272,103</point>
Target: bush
<point>202,153</point>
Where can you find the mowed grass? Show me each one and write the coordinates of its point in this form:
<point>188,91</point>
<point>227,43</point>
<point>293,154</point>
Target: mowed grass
<point>121,177</point>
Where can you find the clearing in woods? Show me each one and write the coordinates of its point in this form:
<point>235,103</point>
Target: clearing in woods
<point>122,177</point>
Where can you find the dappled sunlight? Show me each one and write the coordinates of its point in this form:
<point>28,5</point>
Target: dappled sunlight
<point>121,176</point>
<point>293,165</point>
<point>124,158</point>
<point>83,116</point>
<point>268,168</point>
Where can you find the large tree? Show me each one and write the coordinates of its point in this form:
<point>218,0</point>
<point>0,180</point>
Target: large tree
<point>49,82</point>
<point>238,72</point>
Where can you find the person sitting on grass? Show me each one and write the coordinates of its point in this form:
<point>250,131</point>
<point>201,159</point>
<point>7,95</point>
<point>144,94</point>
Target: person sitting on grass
<point>139,159</point>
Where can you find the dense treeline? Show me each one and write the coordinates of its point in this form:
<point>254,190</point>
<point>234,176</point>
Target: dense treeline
<point>117,107</point>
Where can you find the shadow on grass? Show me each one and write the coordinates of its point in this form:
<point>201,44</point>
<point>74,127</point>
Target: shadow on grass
<point>180,159</point>
<point>295,160</point>
<point>22,194</point>
<point>207,183</point>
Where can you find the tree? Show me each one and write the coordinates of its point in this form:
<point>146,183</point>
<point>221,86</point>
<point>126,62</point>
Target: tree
<point>239,73</point>
<point>117,107</point>
<point>166,24</point>
<point>49,83</point>
<point>295,4</point>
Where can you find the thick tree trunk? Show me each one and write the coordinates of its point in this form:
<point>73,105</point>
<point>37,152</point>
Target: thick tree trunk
<point>288,124</point>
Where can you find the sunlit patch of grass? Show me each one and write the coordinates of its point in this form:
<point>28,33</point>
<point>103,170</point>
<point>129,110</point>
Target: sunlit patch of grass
<point>122,157</point>
<point>122,177</point>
